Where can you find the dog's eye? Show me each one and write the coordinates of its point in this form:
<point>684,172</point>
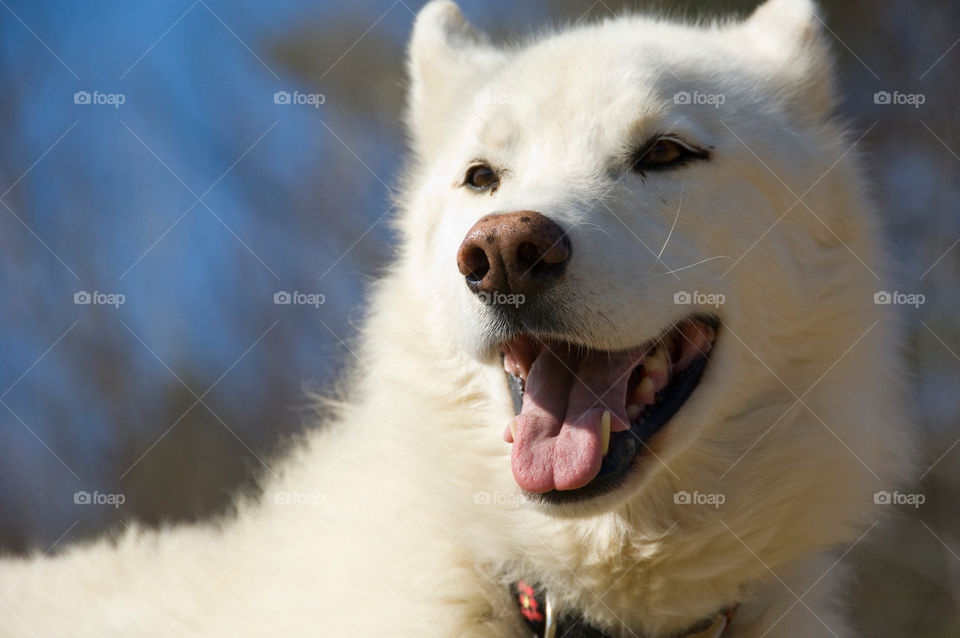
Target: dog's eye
<point>481,177</point>
<point>665,152</point>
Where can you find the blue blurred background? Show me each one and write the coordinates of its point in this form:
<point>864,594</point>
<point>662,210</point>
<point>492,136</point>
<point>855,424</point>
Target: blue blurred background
<point>147,153</point>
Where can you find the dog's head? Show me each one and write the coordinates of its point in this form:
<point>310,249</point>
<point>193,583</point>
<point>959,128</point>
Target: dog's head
<point>653,228</point>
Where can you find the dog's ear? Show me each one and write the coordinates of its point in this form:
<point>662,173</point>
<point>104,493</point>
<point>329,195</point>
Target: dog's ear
<point>788,39</point>
<point>448,60</point>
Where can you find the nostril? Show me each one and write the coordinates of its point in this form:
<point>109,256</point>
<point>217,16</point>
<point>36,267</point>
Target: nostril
<point>528,255</point>
<point>542,256</point>
<point>474,264</point>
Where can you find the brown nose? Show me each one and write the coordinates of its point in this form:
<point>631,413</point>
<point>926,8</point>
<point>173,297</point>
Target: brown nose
<point>520,252</point>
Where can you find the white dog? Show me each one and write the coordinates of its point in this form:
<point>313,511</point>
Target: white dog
<point>625,375</point>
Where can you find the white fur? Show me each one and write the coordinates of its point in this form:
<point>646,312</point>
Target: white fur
<point>398,544</point>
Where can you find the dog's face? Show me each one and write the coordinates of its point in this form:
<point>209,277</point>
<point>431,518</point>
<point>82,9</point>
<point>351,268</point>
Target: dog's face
<point>605,215</point>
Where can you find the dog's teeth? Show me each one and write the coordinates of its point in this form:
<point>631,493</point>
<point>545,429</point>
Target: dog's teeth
<point>657,362</point>
<point>633,411</point>
<point>643,393</point>
<point>513,428</point>
<point>605,432</point>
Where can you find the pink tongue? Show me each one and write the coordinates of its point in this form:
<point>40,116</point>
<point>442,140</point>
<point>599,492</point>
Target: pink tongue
<point>557,443</point>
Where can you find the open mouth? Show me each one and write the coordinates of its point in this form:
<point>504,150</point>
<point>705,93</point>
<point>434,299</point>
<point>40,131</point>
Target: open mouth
<point>583,415</point>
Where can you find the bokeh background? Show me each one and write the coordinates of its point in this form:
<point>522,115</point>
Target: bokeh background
<point>200,197</point>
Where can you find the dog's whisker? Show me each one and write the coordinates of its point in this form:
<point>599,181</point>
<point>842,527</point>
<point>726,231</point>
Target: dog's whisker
<point>676,270</point>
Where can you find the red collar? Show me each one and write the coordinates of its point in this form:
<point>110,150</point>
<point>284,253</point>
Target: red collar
<point>544,621</point>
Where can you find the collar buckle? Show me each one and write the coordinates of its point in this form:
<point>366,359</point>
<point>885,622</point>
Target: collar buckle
<point>550,624</point>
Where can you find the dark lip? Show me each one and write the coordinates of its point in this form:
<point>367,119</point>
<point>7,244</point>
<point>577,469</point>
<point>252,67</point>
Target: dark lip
<point>625,447</point>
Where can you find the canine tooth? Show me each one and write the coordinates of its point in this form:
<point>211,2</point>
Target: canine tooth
<point>605,432</point>
<point>633,411</point>
<point>513,428</point>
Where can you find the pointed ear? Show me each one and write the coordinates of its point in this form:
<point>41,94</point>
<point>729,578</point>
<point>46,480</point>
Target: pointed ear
<point>447,61</point>
<point>788,40</point>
